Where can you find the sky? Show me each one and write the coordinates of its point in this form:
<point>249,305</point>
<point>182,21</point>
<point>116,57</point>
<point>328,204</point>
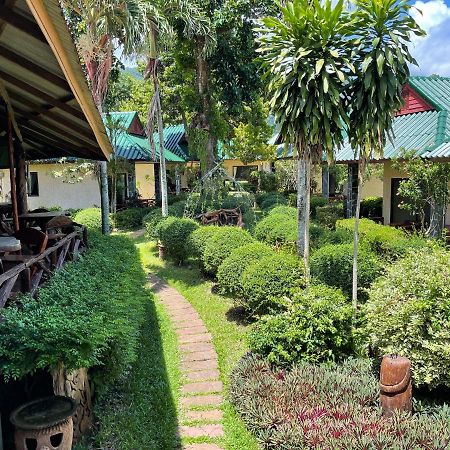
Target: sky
<point>433,51</point>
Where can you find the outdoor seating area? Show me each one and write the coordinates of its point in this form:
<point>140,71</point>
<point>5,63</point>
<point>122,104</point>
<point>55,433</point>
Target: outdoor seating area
<point>30,255</point>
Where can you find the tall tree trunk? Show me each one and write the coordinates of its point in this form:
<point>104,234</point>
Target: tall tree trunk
<point>303,208</point>
<point>113,192</point>
<point>162,155</point>
<point>203,120</point>
<point>361,169</point>
<point>437,215</point>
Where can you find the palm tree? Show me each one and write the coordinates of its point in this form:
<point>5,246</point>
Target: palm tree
<point>383,29</point>
<point>98,26</point>
<point>305,55</point>
<point>160,18</point>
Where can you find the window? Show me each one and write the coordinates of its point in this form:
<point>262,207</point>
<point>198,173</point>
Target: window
<point>243,172</point>
<point>33,184</point>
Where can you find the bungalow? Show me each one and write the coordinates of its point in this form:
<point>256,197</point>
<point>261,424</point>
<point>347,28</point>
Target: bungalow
<point>421,126</point>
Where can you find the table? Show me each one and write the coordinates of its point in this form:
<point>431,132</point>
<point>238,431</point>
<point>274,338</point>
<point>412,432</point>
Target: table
<point>9,244</point>
<point>41,218</point>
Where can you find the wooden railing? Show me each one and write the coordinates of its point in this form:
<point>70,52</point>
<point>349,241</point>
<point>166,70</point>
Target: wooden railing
<point>27,276</point>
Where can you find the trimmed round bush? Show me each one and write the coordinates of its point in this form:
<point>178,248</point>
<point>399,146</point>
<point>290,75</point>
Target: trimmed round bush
<point>385,240</point>
<point>278,229</point>
<point>221,244</point>
<point>265,281</point>
<point>284,210</point>
<point>317,327</point>
<point>273,199</point>
<point>173,233</point>
<point>317,201</point>
<point>130,219</point>
<point>333,265</point>
<point>151,220</point>
<point>321,236</point>
<point>329,214</point>
<point>241,200</point>
<point>230,271</point>
<point>408,314</point>
<point>90,217</point>
<point>197,240</point>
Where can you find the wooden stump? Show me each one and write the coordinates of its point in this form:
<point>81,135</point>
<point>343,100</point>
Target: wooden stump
<point>75,385</point>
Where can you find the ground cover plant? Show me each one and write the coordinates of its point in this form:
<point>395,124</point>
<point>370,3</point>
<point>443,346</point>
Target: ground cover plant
<point>89,217</point>
<point>87,315</point>
<point>327,407</point>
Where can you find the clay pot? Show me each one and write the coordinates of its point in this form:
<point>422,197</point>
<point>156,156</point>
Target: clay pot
<point>395,385</point>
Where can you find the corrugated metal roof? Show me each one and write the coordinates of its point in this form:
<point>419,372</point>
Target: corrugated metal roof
<point>173,135</point>
<point>435,89</point>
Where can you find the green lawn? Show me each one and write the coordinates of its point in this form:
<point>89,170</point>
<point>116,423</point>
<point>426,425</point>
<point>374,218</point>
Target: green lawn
<point>229,336</point>
<point>141,412</point>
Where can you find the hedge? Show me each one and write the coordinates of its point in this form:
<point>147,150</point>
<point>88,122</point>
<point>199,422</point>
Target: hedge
<point>328,215</point>
<point>198,238</point>
<point>221,244</point>
<point>151,220</point>
<point>87,315</point>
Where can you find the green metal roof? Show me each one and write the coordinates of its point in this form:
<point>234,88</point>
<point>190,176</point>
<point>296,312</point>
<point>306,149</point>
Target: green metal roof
<point>434,89</point>
<point>137,148</point>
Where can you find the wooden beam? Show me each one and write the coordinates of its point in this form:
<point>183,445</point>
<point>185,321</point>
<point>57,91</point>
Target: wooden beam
<point>21,23</point>
<point>21,178</point>
<point>39,112</point>
<point>55,102</point>
<point>34,68</point>
<point>12,178</point>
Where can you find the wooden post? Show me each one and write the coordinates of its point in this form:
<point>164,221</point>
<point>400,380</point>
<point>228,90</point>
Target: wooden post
<point>12,177</point>
<point>21,178</point>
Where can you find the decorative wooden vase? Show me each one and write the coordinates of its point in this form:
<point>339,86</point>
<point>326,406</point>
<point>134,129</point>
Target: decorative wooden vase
<point>161,251</point>
<point>44,424</point>
<point>395,385</point>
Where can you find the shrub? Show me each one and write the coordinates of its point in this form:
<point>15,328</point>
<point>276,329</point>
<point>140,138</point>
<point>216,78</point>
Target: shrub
<point>173,233</point>
<point>90,217</point>
<point>372,207</point>
<point>333,265</point>
<point>316,202</point>
<point>292,199</point>
<point>316,327</point>
<point>276,229</point>
<point>326,236</point>
<point>230,271</point>
<point>152,219</point>
<point>329,214</point>
<point>221,244</point>
<point>273,199</point>
<point>197,240</point>
<point>408,313</point>
<point>284,210</point>
<point>130,218</point>
<point>87,315</point>
<point>328,406</point>
<point>265,281</point>
<point>388,241</point>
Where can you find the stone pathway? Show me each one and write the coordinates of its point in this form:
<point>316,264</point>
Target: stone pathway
<point>200,414</point>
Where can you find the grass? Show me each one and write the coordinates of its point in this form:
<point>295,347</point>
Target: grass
<point>141,412</point>
<point>229,335</point>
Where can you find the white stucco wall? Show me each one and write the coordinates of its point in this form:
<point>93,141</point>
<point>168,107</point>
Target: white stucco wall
<point>54,191</point>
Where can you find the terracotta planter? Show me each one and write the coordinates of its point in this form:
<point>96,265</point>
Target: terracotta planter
<point>44,424</point>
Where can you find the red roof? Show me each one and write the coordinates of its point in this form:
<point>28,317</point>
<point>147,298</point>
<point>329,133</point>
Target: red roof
<point>414,103</point>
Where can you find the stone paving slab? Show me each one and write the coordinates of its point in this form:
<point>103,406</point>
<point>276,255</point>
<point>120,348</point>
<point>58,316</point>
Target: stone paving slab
<point>199,367</point>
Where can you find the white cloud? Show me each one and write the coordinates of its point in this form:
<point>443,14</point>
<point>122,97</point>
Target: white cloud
<point>430,14</point>
<point>433,51</point>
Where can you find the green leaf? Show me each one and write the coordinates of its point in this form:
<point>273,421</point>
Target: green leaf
<point>325,84</point>
<point>319,65</point>
<point>367,61</point>
<point>380,63</point>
